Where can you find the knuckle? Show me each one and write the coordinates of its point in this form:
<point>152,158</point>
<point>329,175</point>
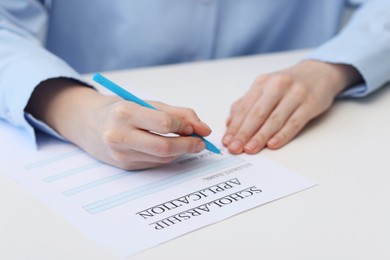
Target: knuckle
<point>260,80</point>
<point>300,91</point>
<point>120,110</point>
<point>232,130</point>
<point>234,107</point>
<point>163,148</point>
<point>282,80</point>
<point>276,120</point>
<point>243,136</point>
<point>238,106</point>
<point>166,124</point>
<point>260,137</point>
<point>295,125</point>
<point>258,141</point>
<point>190,112</point>
<point>278,89</point>
<point>258,115</point>
<point>282,136</point>
<point>111,137</point>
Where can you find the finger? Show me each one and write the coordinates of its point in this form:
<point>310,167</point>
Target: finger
<point>276,120</point>
<point>238,113</point>
<point>241,107</point>
<point>157,145</point>
<point>256,117</point>
<point>235,119</point>
<point>130,159</point>
<point>292,127</point>
<point>188,115</point>
<point>159,122</point>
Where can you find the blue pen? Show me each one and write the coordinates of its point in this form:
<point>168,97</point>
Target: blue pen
<point>130,97</point>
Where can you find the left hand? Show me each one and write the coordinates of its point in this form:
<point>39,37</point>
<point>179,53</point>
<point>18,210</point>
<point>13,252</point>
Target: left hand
<point>280,104</point>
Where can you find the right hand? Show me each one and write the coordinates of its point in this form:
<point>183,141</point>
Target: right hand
<point>114,131</point>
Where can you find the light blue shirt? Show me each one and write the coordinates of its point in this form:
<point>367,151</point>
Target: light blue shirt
<point>40,40</point>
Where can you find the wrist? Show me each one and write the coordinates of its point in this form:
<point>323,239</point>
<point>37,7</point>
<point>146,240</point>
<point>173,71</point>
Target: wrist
<point>64,105</point>
<point>338,76</point>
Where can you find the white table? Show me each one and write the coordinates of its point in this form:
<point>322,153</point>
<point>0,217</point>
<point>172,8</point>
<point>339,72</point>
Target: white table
<point>346,151</point>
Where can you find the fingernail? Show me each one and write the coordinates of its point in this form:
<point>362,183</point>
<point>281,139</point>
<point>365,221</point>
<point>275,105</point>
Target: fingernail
<point>200,147</point>
<point>235,146</point>
<point>252,146</point>
<point>227,138</point>
<point>273,142</point>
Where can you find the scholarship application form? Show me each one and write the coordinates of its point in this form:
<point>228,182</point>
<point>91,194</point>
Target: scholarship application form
<point>130,211</point>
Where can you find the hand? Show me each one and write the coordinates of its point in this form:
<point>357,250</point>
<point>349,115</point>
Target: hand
<point>280,104</point>
<point>115,131</point>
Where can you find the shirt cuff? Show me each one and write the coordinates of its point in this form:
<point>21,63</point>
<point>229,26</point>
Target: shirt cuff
<point>364,48</point>
<point>42,126</point>
<point>20,79</point>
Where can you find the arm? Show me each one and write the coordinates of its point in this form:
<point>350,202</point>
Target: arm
<point>364,43</point>
<point>37,87</point>
<point>25,63</point>
<point>115,131</point>
<point>280,104</point>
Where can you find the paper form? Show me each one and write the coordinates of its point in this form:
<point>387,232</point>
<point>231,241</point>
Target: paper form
<point>130,211</point>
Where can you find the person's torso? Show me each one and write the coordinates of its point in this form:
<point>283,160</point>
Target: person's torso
<point>98,35</point>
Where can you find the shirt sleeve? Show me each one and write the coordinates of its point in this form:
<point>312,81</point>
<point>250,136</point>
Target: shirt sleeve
<point>25,62</point>
<point>364,43</point>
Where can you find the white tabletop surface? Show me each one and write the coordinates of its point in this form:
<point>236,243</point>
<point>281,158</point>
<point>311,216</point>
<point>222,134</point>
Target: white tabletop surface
<point>346,151</point>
